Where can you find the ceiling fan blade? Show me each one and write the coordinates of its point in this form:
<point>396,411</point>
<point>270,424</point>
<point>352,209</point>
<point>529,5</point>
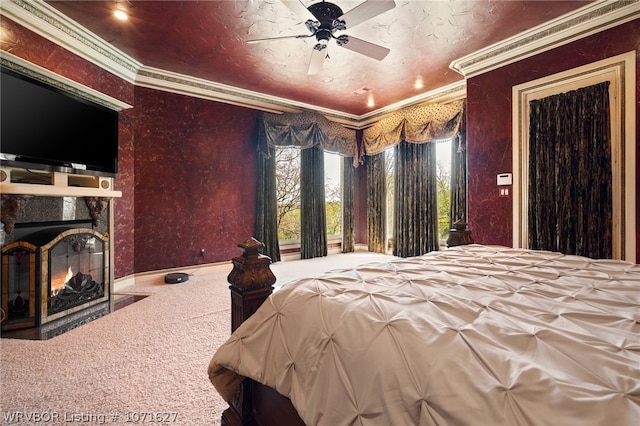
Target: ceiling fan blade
<point>366,10</point>
<point>317,59</point>
<point>299,9</point>
<point>363,47</point>
<point>259,40</point>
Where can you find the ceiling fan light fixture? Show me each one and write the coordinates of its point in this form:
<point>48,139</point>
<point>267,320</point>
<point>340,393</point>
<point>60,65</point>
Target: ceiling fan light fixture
<point>338,25</point>
<point>320,46</point>
<point>312,26</point>
<point>342,40</point>
<point>323,36</point>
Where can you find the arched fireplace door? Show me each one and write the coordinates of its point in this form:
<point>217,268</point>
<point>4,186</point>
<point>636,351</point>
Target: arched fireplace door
<point>53,274</point>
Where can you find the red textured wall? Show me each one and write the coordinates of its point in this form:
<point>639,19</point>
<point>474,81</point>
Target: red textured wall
<point>35,49</point>
<point>489,124</point>
<point>195,183</point>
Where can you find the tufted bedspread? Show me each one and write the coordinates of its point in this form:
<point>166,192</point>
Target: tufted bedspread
<point>471,335</point>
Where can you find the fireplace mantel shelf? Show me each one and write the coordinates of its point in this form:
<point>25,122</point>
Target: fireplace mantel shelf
<point>49,191</point>
<point>55,184</point>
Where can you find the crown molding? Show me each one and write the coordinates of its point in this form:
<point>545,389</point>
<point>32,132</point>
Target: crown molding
<point>42,19</point>
<point>168,81</point>
<point>445,94</point>
<point>67,85</point>
<point>586,21</point>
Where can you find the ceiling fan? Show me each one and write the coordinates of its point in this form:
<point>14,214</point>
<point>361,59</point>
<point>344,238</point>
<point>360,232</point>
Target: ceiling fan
<point>324,19</point>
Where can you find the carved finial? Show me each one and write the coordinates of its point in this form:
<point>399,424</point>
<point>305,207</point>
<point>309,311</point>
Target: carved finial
<point>460,225</point>
<point>96,206</point>
<point>459,234</point>
<point>251,246</point>
<point>251,270</point>
<point>11,206</point>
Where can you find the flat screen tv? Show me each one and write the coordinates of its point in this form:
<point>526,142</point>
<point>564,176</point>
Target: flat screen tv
<point>45,128</point>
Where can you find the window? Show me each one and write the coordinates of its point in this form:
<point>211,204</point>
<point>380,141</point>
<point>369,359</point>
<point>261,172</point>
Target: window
<point>288,192</point>
<point>389,158</point>
<point>443,158</point>
<point>333,193</point>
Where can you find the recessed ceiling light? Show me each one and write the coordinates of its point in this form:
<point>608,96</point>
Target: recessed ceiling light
<point>370,102</point>
<point>418,84</point>
<point>327,79</point>
<point>121,12</point>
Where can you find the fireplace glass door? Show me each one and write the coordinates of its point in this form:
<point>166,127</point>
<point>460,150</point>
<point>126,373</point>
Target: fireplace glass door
<point>53,276</point>
<point>18,285</point>
<point>76,271</point>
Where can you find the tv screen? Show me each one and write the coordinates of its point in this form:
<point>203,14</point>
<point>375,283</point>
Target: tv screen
<point>45,128</point>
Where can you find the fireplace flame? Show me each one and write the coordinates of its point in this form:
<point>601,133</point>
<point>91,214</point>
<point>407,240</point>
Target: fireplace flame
<point>58,283</point>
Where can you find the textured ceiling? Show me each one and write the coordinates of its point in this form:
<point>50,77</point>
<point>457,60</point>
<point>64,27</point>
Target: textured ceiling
<point>207,39</point>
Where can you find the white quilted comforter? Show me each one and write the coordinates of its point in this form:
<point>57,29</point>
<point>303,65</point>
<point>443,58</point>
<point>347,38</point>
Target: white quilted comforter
<point>471,335</point>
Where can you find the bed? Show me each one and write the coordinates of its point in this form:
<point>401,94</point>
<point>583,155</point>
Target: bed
<point>470,335</point>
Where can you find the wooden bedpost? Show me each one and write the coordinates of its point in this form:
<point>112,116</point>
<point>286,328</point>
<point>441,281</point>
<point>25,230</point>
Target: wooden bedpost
<point>251,283</point>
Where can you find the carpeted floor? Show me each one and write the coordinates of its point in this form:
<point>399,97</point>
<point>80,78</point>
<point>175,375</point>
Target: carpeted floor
<point>144,363</point>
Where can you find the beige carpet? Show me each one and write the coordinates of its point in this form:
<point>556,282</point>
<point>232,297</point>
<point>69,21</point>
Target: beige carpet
<point>147,361</point>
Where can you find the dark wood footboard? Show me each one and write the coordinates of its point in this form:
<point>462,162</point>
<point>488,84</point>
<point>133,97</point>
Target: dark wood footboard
<point>251,283</point>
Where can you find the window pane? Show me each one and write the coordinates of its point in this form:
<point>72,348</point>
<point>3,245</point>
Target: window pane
<point>443,157</point>
<point>288,192</point>
<point>333,193</point>
<point>389,158</point>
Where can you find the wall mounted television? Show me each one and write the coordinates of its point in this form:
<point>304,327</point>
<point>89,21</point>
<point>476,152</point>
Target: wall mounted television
<point>45,128</point>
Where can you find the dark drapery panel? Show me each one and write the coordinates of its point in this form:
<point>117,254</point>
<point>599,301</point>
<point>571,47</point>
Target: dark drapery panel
<point>348,236</point>
<point>266,225</point>
<point>313,218</point>
<point>416,207</point>
<point>458,209</point>
<point>570,191</point>
<point>376,202</point>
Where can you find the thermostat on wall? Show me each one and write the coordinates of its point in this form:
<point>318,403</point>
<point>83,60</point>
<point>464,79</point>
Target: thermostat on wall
<point>504,179</point>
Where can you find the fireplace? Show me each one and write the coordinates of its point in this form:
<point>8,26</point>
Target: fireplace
<point>55,279</point>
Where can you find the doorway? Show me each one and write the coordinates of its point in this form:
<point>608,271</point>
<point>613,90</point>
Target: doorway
<point>620,72</point>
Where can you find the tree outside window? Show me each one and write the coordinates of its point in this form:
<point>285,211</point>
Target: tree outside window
<point>333,193</point>
<point>443,176</point>
<point>288,192</point>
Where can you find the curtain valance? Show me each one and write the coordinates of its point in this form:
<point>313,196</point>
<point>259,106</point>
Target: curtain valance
<point>306,130</point>
<point>417,124</point>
